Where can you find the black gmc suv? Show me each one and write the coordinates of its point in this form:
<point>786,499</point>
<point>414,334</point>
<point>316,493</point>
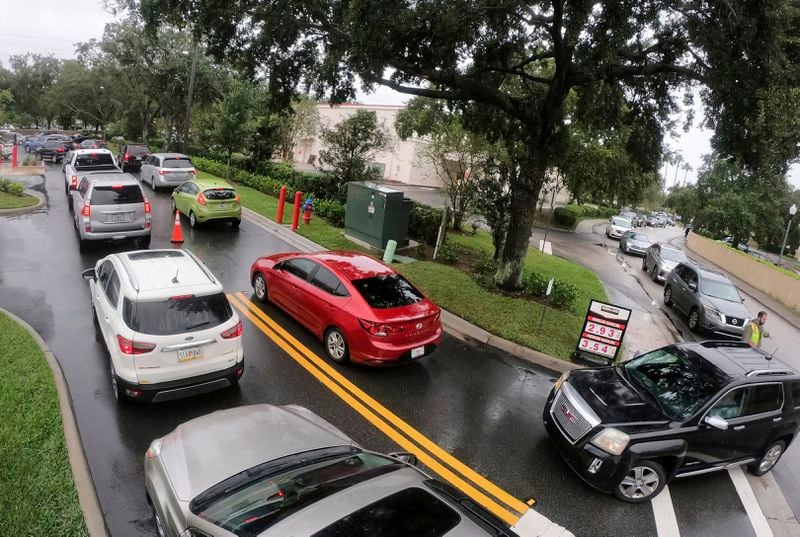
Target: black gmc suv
<point>678,411</point>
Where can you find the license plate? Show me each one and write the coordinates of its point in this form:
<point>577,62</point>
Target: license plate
<point>119,217</point>
<point>194,353</point>
<point>416,353</point>
<point>138,158</point>
<point>222,205</point>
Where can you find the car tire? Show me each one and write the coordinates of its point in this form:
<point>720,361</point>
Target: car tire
<point>53,159</point>
<point>260,288</point>
<point>153,186</point>
<point>668,296</point>
<point>654,273</point>
<point>336,346</point>
<point>644,265</point>
<point>157,522</point>
<point>116,389</point>
<point>694,320</point>
<point>236,223</point>
<point>83,245</point>
<point>644,481</point>
<point>144,242</point>
<point>192,219</point>
<point>172,203</point>
<point>98,335</point>
<point>772,454</point>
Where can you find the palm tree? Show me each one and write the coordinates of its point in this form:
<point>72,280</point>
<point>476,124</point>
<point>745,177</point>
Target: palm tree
<point>677,160</point>
<point>686,169</point>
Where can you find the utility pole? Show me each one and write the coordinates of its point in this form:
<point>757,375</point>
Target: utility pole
<point>792,212</point>
<point>192,74</point>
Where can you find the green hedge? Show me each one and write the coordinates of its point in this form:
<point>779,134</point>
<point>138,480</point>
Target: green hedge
<point>571,214</point>
<point>15,189</point>
<point>424,223</point>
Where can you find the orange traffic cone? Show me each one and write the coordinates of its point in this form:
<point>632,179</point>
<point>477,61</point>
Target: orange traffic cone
<point>177,232</point>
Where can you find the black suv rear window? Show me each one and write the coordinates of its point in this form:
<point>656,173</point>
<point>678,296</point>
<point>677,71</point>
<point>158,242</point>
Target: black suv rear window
<point>177,163</point>
<point>176,315</point>
<point>388,291</point>
<point>411,511</point>
<point>116,195</point>
<point>137,149</point>
<point>89,161</point>
<point>219,194</point>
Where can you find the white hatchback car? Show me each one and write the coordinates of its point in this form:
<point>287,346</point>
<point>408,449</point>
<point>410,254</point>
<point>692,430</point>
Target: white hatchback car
<point>617,225</point>
<point>168,326</point>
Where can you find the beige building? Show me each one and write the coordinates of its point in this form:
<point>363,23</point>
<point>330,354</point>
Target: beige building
<point>400,163</point>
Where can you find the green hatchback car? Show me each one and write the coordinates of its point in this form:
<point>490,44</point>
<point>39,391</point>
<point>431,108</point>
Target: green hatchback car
<point>202,200</point>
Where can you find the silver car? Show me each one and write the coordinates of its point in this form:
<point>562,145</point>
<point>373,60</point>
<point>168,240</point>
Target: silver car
<point>617,225</point>
<point>660,259</point>
<point>111,207</point>
<point>709,299</point>
<point>284,471</point>
<point>633,242</point>
<point>167,170</point>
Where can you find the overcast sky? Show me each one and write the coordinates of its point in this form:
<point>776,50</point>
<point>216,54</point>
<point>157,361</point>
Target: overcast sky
<point>53,27</point>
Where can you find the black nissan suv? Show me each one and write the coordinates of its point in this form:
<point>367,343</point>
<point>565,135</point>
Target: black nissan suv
<point>677,411</point>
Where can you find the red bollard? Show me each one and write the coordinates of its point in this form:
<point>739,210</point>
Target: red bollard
<point>14,156</point>
<point>296,211</point>
<point>281,203</point>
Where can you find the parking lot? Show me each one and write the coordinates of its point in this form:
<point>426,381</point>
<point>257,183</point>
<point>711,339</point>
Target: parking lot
<point>474,410</point>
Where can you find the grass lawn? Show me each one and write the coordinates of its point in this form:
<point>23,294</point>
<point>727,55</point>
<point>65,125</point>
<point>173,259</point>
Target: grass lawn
<point>8,201</point>
<point>37,493</point>
<point>513,318</point>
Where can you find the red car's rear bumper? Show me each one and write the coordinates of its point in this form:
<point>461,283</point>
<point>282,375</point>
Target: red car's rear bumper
<point>371,351</point>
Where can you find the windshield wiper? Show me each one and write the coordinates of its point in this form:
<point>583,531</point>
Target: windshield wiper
<point>197,325</point>
<point>636,383</point>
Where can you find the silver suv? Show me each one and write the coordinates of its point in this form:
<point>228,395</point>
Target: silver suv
<point>709,299</point>
<point>111,207</point>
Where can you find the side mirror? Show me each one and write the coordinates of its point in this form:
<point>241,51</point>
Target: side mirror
<point>693,287</point>
<point>89,274</point>
<point>404,456</point>
<point>716,422</point>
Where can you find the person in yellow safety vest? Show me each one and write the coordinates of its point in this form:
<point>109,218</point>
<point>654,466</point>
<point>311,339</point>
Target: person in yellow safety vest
<point>754,330</point>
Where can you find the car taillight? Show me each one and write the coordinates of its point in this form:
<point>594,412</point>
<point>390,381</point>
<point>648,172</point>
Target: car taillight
<point>126,346</point>
<point>163,172</point>
<point>236,331</point>
<point>87,210</point>
<point>193,172</point>
<point>126,157</point>
<point>379,329</point>
<point>201,199</point>
<point>61,149</point>
<point>147,208</point>
<point>74,182</point>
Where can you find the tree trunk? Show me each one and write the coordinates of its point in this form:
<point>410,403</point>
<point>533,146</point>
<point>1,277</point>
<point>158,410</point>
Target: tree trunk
<point>524,195</point>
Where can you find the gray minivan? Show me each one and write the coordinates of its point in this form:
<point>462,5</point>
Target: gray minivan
<point>167,170</point>
<point>111,207</point>
<point>710,300</point>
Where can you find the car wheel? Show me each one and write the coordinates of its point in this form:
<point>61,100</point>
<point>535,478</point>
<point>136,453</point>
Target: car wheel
<point>53,159</point>
<point>236,223</point>
<point>643,482</point>
<point>668,296</point>
<point>770,458</point>
<point>144,242</point>
<point>98,336</point>
<point>83,245</point>
<point>336,346</point>
<point>159,525</point>
<point>116,389</point>
<point>654,273</point>
<point>644,264</point>
<point>694,320</point>
<point>153,186</point>
<point>172,203</point>
<point>260,288</point>
<point>192,219</point>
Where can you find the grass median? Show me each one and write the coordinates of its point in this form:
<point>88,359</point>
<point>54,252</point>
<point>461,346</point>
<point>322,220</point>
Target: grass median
<point>513,318</point>
<point>37,492</point>
<point>10,201</point>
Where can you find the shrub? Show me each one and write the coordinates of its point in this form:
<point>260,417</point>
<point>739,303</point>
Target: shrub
<point>449,253</point>
<point>535,284</point>
<point>10,187</point>
<point>423,223</point>
<point>564,217</point>
<point>320,185</point>
<point>331,210</point>
<point>564,293</point>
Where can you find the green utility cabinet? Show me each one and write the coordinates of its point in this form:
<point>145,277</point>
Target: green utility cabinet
<point>376,214</point>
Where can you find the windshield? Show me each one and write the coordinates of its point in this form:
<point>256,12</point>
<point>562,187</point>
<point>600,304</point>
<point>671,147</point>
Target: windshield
<point>718,289</point>
<point>673,255</point>
<point>680,380</point>
<point>388,291</point>
<point>621,222</point>
<point>250,509</point>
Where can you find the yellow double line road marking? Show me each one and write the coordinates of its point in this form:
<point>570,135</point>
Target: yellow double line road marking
<point>501,503</point>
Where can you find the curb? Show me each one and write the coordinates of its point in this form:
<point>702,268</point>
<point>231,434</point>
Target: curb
<point>23,210</point>
<point>453,324</point>
<point>87,495</point>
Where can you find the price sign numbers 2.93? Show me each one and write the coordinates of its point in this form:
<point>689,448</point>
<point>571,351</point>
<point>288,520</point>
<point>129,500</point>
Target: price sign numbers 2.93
<point>603,330</point>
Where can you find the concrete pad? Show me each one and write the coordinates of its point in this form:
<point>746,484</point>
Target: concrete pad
<point>546,247</point>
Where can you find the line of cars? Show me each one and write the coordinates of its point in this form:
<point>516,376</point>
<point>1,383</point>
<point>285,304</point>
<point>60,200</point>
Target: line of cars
<point>53,147</point>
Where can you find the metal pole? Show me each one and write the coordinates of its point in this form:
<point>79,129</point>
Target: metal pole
<point>785,237</point>
<point>189,98</point>
<point>440,237</point>
<point>549,218</point>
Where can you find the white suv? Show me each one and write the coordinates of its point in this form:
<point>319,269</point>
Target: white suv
<point>167,323</point>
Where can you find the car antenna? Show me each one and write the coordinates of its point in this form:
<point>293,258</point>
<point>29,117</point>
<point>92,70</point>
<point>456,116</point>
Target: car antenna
<point>175,278</point>
<point>771,356</point>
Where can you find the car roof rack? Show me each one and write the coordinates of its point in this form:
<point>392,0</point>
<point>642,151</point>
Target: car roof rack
<point>767,372</point>
<point>717,343</point>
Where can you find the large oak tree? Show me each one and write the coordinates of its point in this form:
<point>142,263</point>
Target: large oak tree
<point>511,63</point>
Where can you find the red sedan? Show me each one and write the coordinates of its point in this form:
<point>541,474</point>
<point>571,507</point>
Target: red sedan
<point>362,309</point>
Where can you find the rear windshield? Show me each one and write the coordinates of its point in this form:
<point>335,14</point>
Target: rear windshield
<point>137,149</point>
<point>412,511</point>
<point>219,194</point>
<point>621,222</point>
<point>116,195</point>
<point>388,291</point>
<point>91,160</point>
<point>178,315</point>
<point>673,255</point>
<point>54,144</point>
<point>177,163</point>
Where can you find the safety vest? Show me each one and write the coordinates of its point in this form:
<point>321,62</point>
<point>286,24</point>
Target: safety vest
<point>755,333</point>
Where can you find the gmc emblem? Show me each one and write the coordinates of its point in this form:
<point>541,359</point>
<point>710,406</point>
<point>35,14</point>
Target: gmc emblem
<point>567,413</point>
<point>419,326</point>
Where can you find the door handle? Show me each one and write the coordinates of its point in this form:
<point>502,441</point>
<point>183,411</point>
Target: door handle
<point>738,428</point>
<point>330,306</point>
<point>779,418</point>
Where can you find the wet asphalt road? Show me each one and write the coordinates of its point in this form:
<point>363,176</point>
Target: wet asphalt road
<point>481,405</point>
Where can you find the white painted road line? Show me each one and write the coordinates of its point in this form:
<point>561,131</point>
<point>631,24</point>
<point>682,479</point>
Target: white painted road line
<point>664,514</point>
<point>533,524</point>
<point>754,512</point>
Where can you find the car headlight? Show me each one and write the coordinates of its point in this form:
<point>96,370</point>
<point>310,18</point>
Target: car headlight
<point>713,312</point>
<point>611,441</point>
<point>561,380</point>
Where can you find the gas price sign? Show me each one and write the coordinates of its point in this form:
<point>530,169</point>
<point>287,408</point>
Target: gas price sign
<point>603,330</point>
